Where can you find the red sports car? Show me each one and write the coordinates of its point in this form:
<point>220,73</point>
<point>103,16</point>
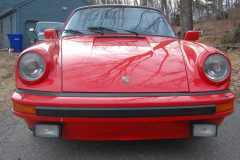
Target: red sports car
<point>121,73</point>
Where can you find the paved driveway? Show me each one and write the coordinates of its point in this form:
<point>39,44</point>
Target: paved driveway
<point>17,142</point>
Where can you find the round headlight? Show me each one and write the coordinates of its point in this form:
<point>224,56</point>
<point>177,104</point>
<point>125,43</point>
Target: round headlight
<point>31,66</point>
<point>216,67</point>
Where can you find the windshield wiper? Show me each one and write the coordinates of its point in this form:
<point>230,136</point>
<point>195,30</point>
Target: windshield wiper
<point>101,28</point>
<point>133,32</point>
<point>73,31</point>
<point>96,31</point>
<point>108,29</point>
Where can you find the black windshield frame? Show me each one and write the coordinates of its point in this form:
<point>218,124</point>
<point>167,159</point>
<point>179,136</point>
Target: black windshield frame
<point>120,6</point>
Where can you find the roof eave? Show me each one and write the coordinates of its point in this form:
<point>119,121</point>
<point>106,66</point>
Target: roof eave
<point>6,13</point>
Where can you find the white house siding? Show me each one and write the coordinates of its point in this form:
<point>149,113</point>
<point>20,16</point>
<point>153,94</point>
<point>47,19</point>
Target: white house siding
<point>6,29</point>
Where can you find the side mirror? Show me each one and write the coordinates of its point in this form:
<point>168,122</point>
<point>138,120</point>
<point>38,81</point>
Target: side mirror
<point>50,34</point>
<point>191,35</point>
<point>31,29</point>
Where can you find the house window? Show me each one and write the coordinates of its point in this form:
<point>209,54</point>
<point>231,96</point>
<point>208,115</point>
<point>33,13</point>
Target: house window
<point>11,25</point>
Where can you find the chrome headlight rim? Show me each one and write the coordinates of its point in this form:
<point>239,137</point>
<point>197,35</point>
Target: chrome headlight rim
<point>201,64</point>
<point>42,54</point>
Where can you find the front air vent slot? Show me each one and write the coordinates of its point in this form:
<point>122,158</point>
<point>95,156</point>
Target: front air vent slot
<point>130,37</point>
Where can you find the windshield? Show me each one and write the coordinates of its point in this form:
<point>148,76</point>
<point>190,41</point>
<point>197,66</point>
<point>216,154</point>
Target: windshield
<point>43,26</point>
<point>119,20</point>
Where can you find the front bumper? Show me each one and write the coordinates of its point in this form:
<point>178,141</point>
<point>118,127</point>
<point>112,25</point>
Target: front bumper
<point>171,117</point>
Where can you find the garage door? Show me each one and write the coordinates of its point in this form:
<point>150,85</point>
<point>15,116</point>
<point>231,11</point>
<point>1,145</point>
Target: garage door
<point>28,35</point>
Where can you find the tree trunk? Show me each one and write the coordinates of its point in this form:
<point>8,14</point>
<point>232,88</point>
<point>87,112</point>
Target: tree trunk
<point>143,2</point>
<point>103,1</point>
<point>178,5</point>
<point>238,8</point>
<point>186,16</point>
<point>136,2</point>
<point>170,10</point>
<point>214,6</point>
<point>150,3</point>
<point>164,7</point>
<point>92,2</point>
<point>220,5</point>
<point>227,5</point>
<point>207,9</point>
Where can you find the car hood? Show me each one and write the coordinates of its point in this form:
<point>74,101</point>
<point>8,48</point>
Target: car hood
<point>122,64</point>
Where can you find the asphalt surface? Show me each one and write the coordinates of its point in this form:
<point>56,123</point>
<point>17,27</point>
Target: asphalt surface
<point>17,143</point>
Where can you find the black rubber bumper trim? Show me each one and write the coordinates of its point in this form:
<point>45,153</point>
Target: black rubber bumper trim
<point>125,112</point>
<point>100,94</point>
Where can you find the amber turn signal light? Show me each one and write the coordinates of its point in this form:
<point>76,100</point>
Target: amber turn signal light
<point>224,107</point>
<point>24,108</point>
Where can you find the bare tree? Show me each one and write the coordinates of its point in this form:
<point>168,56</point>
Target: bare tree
<point>103,1</point>
<point>135,2</point>
<point>150,3</point>
<point>164,7</point>
<point>220,5</point>
<point>93,2</point>
<point>239,8</point>
<point>207,8</point>
<point>143,2</point>
<point>186,16</point>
